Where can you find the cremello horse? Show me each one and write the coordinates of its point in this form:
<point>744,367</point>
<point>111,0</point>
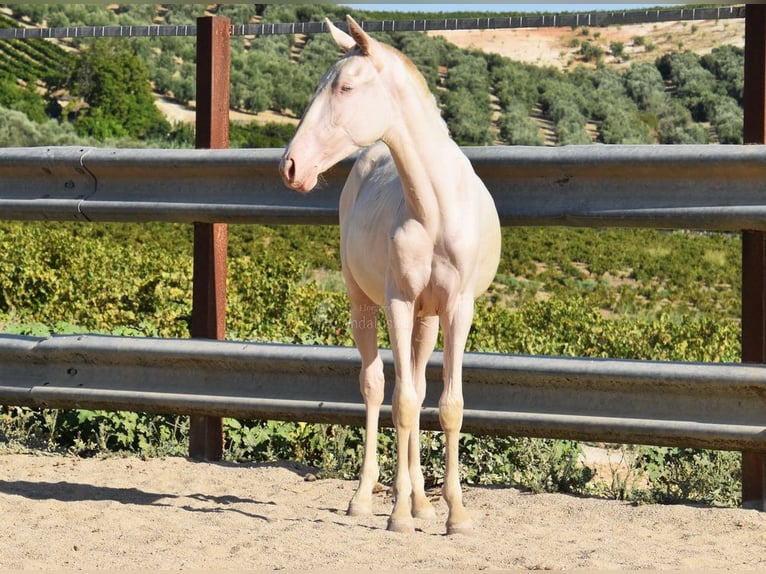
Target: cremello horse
<point>420,236</point>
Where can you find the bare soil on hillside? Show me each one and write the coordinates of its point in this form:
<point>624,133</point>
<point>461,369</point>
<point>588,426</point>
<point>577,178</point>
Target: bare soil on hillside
<point>113,513</point>
<point>175,112</point>
<point>559,47</point>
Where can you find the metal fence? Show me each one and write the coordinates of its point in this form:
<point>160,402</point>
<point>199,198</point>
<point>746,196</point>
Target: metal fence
<point>570,19</point>
<point>681,187</point>
<point>702,187</point>
<point>683,404</point>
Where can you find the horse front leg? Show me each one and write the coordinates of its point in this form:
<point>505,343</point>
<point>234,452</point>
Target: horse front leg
<point>364,317</point>
<point>456,324</point>
<point>405,410</point>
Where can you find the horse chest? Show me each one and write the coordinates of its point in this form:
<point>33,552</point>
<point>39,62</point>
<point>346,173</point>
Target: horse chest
<point>424,270</point>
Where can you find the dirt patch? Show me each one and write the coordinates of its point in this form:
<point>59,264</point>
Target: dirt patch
<point>531,45</point>
<point>558,47</point>
<point>175,112</point>
<point>68,513</point>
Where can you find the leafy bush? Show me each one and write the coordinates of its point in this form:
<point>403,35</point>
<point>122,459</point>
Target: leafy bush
<point>23,99</point>
<point>255,135</point>
<point>427,53</point>
<point>86,433</point>
<point>468,122</point>
<point>514,83</point>
<point>517,128</point>
<point>683,474</point>
<point>567,106</point>
<point>644,84</point>
<point>76,273</point>
<point>728,121</point>
<point>466,101</point>
<point>624,127</point>
<point>591,52</point>
<point>619,117</point>
<point>675,125</point>
<point>104,72</point>
<point>17,130</point>
<point>718,103</point>
<point>727,64</point>
<point>617,49</point>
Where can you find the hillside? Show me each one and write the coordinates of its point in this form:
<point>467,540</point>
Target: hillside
<point>675,82</point>
<point>559,46</point>
<point>556,47</point>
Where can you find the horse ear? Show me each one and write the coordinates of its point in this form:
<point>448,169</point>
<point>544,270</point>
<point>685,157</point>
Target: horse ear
<point>361,37</point>
<point>343,40</point>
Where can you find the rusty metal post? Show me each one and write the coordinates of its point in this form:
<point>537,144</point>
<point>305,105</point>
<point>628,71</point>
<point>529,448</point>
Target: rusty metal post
<point>753,246</point>
<point>210,239</point>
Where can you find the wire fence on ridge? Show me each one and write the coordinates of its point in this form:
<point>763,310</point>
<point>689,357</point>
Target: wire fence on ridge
<point>594,19</point>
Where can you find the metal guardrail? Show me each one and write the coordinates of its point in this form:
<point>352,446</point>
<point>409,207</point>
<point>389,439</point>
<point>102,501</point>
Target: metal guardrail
<point>683,187</point>
<point>684,404</point>
<point>702,187</point>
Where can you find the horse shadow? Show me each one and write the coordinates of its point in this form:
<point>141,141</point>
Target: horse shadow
<point>66,491</point>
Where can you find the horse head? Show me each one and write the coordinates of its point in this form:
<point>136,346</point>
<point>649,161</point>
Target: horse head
<point>351,109</point>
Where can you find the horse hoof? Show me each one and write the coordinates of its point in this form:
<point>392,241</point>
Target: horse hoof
<point>401,525</point>
<point>461,528</point>
<point>359,509</point>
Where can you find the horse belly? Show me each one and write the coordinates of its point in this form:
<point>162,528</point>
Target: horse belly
<point>489,245</point>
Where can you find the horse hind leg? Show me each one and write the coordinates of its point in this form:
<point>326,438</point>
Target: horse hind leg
<point>364,317</point>
<point>423,341</point>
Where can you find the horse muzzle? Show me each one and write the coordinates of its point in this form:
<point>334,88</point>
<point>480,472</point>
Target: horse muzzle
<point>302,181</point>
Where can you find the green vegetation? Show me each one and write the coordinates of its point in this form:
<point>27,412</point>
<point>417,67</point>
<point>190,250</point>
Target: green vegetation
<point>34,60</point>
<point>709,88</point>
<point>16,129</point>
<point>466,99</point>
<point>681,98</point>
<point>114,84</point>
<point>641,294</point>
<point>559,292</point>
<point>24,99</point>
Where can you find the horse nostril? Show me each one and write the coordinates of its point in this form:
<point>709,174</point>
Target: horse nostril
<point>290,169</point>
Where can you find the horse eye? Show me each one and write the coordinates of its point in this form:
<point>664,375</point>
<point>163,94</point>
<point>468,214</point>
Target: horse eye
<point>346,88</point>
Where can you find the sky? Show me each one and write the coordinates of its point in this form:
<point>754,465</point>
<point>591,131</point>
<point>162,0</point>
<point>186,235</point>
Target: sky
<point>495,7</point>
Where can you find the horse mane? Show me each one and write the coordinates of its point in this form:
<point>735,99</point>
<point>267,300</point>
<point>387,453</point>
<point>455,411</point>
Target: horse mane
<point>419,82</point>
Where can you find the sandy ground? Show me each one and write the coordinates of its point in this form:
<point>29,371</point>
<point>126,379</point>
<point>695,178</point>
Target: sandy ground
<point>126,513</point>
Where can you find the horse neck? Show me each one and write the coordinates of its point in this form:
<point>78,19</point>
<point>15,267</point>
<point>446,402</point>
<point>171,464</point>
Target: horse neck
<point>428,160</point>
